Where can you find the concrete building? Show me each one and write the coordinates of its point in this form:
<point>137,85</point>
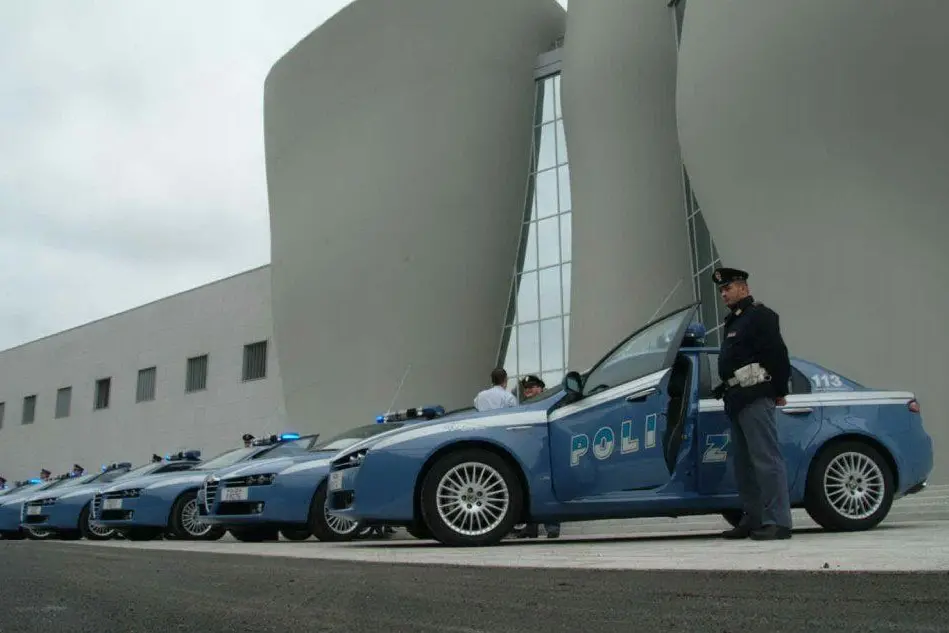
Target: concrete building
<point>423,183</point>
<point>194,370</point>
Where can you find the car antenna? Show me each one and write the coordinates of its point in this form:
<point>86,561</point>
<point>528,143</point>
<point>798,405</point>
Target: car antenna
<point>399,390</point>
<point>664,301</point>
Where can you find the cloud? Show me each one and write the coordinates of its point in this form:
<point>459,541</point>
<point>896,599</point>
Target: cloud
<point>133,162</point>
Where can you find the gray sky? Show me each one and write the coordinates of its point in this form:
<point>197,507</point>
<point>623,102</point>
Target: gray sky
<point>131,150</point>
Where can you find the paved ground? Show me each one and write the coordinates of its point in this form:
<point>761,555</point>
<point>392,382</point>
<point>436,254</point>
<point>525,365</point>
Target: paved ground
<point>50,586</point>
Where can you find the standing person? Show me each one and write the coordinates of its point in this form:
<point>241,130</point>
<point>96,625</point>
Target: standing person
<point>530,387</point>
<point>754,368</point>
<point>248,440</point>
<point>77,471</point>
<point>496,396</point>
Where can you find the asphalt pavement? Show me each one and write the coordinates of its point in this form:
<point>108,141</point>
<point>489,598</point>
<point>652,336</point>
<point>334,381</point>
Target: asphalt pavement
<point>49,586</point>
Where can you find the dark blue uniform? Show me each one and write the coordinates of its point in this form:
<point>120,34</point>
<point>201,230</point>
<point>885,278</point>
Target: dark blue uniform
<point>752,345</point>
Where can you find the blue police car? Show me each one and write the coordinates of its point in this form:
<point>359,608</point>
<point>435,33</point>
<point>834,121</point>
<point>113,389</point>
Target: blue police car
<point>67,512</point>
<point>147,507</point>
<point>287,495</point>
<point>641,434</point>
<point>11,505</point>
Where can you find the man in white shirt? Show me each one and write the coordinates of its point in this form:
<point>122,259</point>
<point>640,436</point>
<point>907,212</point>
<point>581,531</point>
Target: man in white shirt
<point>497,396</point>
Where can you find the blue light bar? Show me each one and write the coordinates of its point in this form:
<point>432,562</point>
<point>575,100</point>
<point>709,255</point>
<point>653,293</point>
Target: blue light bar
<point>35,481</point>
<point>290,436</point>
<point>412,413</point>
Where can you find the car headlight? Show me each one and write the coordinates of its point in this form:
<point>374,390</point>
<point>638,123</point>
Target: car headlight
<point>131,492</point>
<point>349,461</point>
<point>261,480</point>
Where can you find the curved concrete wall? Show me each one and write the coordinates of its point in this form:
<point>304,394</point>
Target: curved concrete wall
<point>630,241</point>
<point>815,136</point>
<point>397,142</point>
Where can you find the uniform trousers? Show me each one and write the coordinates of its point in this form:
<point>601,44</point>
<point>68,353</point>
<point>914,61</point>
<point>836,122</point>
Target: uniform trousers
<point>759,466</point>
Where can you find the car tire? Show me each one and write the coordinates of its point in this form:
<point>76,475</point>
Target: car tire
<point>38,534</point>
<point>419,530</point>
<point>326,527</point>
<point>88,531</point>
<point>255,534</point>
<point>295,534</point>
<point>185,521</point>
<point>456,465</point>
<point>849,487</point>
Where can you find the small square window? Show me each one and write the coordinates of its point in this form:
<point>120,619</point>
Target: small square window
<point>196,375</point>
<point>145,388</point>
<point>255,361</point>
<point>3,407</point>
<point>103,389</point>
<point>29,409</point>
<point>63,402</point>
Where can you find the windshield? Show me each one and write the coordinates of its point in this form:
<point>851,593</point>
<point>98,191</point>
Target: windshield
<point>228,458</point>
<point>350,437</point>
<point>643,353</point>
<point>138,471</point>
<point>286,449</point>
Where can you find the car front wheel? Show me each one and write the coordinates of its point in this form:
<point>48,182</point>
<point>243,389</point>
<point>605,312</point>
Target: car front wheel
<point>849,488</point>
<point>329,527</point>
<point>91,531</point>
<point>471,497</point>
<point>186,521</point>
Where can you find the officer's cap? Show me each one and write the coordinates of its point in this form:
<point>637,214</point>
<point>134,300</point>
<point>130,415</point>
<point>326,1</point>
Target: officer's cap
<point>247,437</point>
<point>45,472</point>
<point>723,276</point>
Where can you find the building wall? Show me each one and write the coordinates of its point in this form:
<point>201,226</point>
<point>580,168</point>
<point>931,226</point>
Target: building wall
<point>397,136</point>
<point>630,243</point>
<point>814,134</point>
<point>217,319</point>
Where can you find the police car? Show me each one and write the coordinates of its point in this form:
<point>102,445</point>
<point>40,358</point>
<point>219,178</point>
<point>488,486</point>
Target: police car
<point>11,506</point>
<point>287,495</point>
<point>143,508</point>
<point>640,434</point>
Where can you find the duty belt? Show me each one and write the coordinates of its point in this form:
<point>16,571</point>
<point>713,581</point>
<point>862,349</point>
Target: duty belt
<point>748,376</point>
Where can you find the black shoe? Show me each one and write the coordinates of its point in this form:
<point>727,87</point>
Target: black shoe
<point>771,533</point>
<point>741,531</point>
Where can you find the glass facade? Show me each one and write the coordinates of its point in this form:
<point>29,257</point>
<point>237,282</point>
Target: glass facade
<point>536,332</point>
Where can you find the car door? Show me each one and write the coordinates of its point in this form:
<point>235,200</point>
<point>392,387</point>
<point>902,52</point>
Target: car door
<point>797,423</point>
<point>610,437</point>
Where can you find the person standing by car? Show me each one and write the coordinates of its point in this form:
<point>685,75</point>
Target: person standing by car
<point>531,386</point>
<point>496,396</point>
<point>754,367</point>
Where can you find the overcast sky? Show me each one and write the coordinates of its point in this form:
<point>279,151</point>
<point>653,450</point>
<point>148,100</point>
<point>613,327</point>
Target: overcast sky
<point>131,150</point>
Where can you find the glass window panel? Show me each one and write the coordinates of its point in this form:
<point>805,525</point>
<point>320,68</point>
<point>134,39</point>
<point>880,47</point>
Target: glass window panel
<point>709,300</point>
<point>563,182</point>
<point>566,234</point>
<point>545,192</point>
<point>548,242</point>
<point>566,288</point>
<point>561,144</point>
<point>527,298</point>
<point>695,263</point>
<point>546,92</point>
<point>716,259</point>
<point>550,290</point>
<point>551,344</point>
<point>566,341</point>
<point>546,151</point>
<point>530,248</point>
<point>702,242</point>
<point>510,356</point>
<point>552,378</point>
<point>557,110</point>
<point>528,348</point>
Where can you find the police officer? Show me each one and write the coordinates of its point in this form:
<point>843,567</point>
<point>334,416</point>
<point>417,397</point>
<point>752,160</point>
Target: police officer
<point>156,458</point>
<point>248,440</point>
<point>754,368</point>
<point>531,386</point>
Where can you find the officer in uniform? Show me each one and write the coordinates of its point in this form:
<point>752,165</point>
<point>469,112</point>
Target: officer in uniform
<point>754,368</point>
<point>248,440</point>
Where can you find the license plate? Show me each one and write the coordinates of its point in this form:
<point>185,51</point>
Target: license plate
<point>34,510</point>
<point>111,504</point>
<point>235,494</point>
<point>336,480</point>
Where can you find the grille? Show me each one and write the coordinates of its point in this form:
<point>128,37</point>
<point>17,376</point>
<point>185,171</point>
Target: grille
<point>96,505</point>
<point>210,494</point>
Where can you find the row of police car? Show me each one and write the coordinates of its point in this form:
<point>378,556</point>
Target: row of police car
<point>642,433</point>
<point>182,496</point>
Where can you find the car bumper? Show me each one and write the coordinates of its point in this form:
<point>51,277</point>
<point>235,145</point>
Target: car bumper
<point>341,493</point>
<point>132,512</point>
<point>253,505</point>
<point>51,517</point>
<point>10,518</point>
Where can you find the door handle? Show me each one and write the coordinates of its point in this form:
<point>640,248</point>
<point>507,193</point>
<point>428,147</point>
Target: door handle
<point>639,396</point>
<point>797,410</point>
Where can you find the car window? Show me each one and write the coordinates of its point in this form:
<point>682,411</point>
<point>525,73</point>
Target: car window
<point>798,382</point>
<point>643,353</point>
<point>350,437</point>
<point>285,449</point>
<point>228,458</point>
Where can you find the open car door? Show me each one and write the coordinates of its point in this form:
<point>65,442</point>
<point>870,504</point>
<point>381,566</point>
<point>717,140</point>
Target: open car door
<point>609,434</point>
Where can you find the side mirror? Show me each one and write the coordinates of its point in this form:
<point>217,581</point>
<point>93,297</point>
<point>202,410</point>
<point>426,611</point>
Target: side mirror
<point>573,384</point>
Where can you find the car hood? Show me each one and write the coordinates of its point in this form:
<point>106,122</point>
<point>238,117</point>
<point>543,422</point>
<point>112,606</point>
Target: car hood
<point>160,480</point>
<point>274,465</point>
<point>67,493</point>
<point>466,418</point>
<point>19,495</point>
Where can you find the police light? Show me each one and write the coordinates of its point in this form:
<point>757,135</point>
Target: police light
<point>35,481</point>
<point>289,436</point>
<point>412,413</point>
